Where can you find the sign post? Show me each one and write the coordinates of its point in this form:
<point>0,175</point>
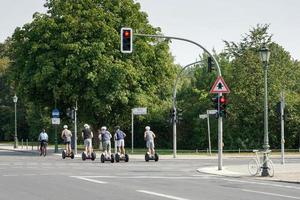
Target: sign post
<point>135,111</point>
<point>220,87</point>
<point>55,122</point>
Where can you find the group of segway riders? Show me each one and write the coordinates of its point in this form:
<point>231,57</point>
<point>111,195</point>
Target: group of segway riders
<point>105,140</point>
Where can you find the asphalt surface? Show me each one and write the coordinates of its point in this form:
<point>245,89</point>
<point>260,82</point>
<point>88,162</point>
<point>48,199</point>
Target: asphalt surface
<point>27,176</point>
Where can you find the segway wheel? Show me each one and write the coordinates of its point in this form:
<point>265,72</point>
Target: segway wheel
<point>83,156</point>
<point>93,156</point>
<point>147,157</point>
<point>156,157</point>
<point>102,158</point>
<point>126,158</point>
<point>63,154</point>
<point>72,155</point>
<point>112,158</point>
<point>117,157</point>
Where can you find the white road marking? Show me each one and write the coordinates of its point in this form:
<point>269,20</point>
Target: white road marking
<point>263,183</point>
<point>88,179</point>
<point>161,195</point>
<point>10,175</point>
<point>29,174</point>
<point>271,194</point>
<point>149,177</point>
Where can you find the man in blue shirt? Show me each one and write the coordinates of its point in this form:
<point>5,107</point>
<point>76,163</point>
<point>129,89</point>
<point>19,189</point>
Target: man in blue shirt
<point>119,138</point>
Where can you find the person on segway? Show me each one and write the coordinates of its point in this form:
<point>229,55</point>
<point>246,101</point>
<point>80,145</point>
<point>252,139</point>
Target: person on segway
<point>87,135</point>
<point>149,138</point>
<point>105,137</point>
<point>43,139</point>
<point>66,136</point>
<point>119,138</point>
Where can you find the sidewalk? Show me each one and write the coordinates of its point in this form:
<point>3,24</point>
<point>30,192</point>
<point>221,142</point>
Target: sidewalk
<point>289,172</point>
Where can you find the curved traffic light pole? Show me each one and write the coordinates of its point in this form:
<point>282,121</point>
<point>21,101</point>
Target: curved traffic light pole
<point>220,121</point>
<point>174,111</point>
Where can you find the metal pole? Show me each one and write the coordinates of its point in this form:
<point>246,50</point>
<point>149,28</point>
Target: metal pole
<point>186,40</point>
<point>174,132</point>
<point>75,129</point>
<point>26,143</point>
<point>16,133</point>
<point>220,136</point>
<point>282,126</point>
<point>174,108</point>
<point>55,140</point>
<point>132,131</point>
<point>208,133</point>
<point>266,133</point>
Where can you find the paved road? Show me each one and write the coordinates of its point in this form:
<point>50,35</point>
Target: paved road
<point>26,176</point>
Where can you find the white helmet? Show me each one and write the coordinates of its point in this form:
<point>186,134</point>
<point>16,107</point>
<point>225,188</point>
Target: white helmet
<point>103,128</point>
<point>65,126</point>
<point>86,126</point>
<point>147,128</point>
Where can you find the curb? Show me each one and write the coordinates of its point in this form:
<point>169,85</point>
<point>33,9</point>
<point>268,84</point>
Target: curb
<point>213,170</point>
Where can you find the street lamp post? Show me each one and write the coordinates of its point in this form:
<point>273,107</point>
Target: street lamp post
<point>264,56</point>
<point>15,100</point>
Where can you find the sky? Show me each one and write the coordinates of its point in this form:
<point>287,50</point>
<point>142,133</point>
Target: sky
<point>207,22</point>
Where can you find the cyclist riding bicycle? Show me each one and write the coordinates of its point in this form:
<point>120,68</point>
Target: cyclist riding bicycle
<point>43,139</point>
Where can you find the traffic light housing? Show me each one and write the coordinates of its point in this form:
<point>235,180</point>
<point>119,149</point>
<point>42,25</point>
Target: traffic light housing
<point>223,105</point>
<point>126,40</point>
<point>215,101</point>
<point>210,64</point>
<point>220,104</point>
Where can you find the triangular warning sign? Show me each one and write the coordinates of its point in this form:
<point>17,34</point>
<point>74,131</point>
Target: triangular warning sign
<point>219,86</point>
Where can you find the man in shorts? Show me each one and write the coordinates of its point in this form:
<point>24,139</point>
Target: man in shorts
<point>66,136</point>
<point>105,137</point>
<point>149,138</point>
<point>119,138</point>
<point>87,135</point>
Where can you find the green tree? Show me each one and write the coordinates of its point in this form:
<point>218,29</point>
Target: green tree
<point>247,86</point>
<point>71,53</point>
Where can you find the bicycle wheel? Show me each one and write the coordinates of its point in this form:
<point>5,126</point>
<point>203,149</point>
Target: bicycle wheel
<point>253,167</point>
<point>270,168</point>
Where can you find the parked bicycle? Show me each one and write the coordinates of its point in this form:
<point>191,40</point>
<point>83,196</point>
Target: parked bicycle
<point>256,164</point>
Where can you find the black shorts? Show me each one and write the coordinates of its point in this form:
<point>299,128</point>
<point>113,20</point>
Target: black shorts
<point>43,143</point>
<point>67,142</point>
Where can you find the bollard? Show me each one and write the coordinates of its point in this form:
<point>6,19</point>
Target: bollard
<point>32,145</point>
<point>27,144</point>
<point>239,151</point>
<point>22,143</point>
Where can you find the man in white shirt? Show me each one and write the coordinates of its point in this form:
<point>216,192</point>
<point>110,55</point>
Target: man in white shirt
<point>43,139</point>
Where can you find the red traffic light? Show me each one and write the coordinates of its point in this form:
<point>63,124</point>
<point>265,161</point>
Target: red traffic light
<point>222,100</point>
<point>127,33</point>
<point>126,40</point>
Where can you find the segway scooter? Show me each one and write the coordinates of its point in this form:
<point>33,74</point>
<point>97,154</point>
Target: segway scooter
<point>121,157</point>
<point>65,155</point>
<point>104,158</point>
<point>149,156</point>
<point>84,156</point>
